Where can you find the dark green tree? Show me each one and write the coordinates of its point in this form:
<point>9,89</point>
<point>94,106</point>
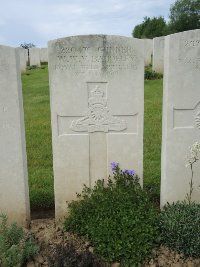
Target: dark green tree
<point>27,45</point>
<point>150,28</point>
<point>184,15</point>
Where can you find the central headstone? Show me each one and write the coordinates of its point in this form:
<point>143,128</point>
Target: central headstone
<point>97,99</point>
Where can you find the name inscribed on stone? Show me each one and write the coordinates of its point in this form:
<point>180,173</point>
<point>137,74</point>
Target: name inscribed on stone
<point>188,50</point>
<point>82,59</point>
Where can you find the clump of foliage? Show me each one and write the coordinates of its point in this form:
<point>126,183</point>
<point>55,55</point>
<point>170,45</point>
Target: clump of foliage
<point>117,217</point>
<point>179,225</point>
<point>150,28</point>
<point>32,67</point>
<point>184,15</point>
<point>45,64</point>
<point>27,45</point>
<point>66,255</point>
<point>15,246</point>
<point>179,222</point>
<point>151,74</point>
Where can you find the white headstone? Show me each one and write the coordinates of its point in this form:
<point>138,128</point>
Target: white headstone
<point>181,114</point>
<point>43,55</point>
<point>14,193</point>
<point>148,51</point>
<point>97,98</point>
<point>23,54</point>
<point>158,54</point>
<point>34,55</point>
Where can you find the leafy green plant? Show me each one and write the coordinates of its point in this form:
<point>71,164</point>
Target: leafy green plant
<point>117,217</point>
<point>150,74</point>
<point>15,246</point>
<point>179,222</point>
<point>32,67</point>
<point>179,225</point>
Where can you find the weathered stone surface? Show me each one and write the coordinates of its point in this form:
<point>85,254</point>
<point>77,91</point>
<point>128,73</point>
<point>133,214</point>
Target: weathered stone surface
<point>181,114</point>
<point>148,51</point>
<point>14,193</point>
<point>158,54</point>
<point>43,55</point>
<point>34,56</point>
<point>97,95</point>
<point>23,56</point>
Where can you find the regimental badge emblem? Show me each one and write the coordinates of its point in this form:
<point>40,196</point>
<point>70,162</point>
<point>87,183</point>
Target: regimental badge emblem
<point>98,118</point>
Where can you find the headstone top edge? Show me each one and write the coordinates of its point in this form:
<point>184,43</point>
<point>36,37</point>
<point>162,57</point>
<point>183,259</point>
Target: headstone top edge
<point>6,46</point>
<point>159,37</point>
<point>184,33</point>
<point>91,36</point>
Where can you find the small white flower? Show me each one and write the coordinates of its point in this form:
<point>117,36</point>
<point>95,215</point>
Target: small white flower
<point>194,154</point>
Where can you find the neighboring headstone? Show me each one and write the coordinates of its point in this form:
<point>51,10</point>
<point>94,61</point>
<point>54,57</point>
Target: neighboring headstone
<point>14,193</point>
<point>97,97</point>
<point>43,55</point>
<point>181,114</point>
<point>23,55</point>
<point>34,56</point>
<point>148,51</point>
<point>158,54</point>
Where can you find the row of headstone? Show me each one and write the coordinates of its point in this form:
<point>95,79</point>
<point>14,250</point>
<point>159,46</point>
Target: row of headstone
<point>97,110</point>
<point>153,49</point>
<point>35,56</point>
<point>38,56</point>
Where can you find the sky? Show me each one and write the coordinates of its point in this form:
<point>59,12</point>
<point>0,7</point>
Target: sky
<point>38,21</point>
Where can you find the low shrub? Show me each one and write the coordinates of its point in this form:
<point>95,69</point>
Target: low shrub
<point>179,225</point>
<point>117,217</point>
<point>44,64</point>
<point>150,74</point>
<point>32,67</point>
<point>15,246</point>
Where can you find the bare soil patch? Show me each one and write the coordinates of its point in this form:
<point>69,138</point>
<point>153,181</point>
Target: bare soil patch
<point>59,248</point>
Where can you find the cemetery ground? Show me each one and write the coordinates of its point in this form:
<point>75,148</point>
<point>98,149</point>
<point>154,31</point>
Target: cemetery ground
<point>58,247</point>
<point>38,137</point>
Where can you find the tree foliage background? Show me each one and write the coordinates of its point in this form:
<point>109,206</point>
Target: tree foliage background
<point>184,15</point>
<point>27,45</point>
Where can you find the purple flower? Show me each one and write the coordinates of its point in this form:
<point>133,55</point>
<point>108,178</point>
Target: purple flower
<point>114,166</point>
<point>130,172</point>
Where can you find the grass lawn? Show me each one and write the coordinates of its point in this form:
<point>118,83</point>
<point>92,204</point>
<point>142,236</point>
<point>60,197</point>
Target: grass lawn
<point>152,135</point>
<point>38,136</point>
